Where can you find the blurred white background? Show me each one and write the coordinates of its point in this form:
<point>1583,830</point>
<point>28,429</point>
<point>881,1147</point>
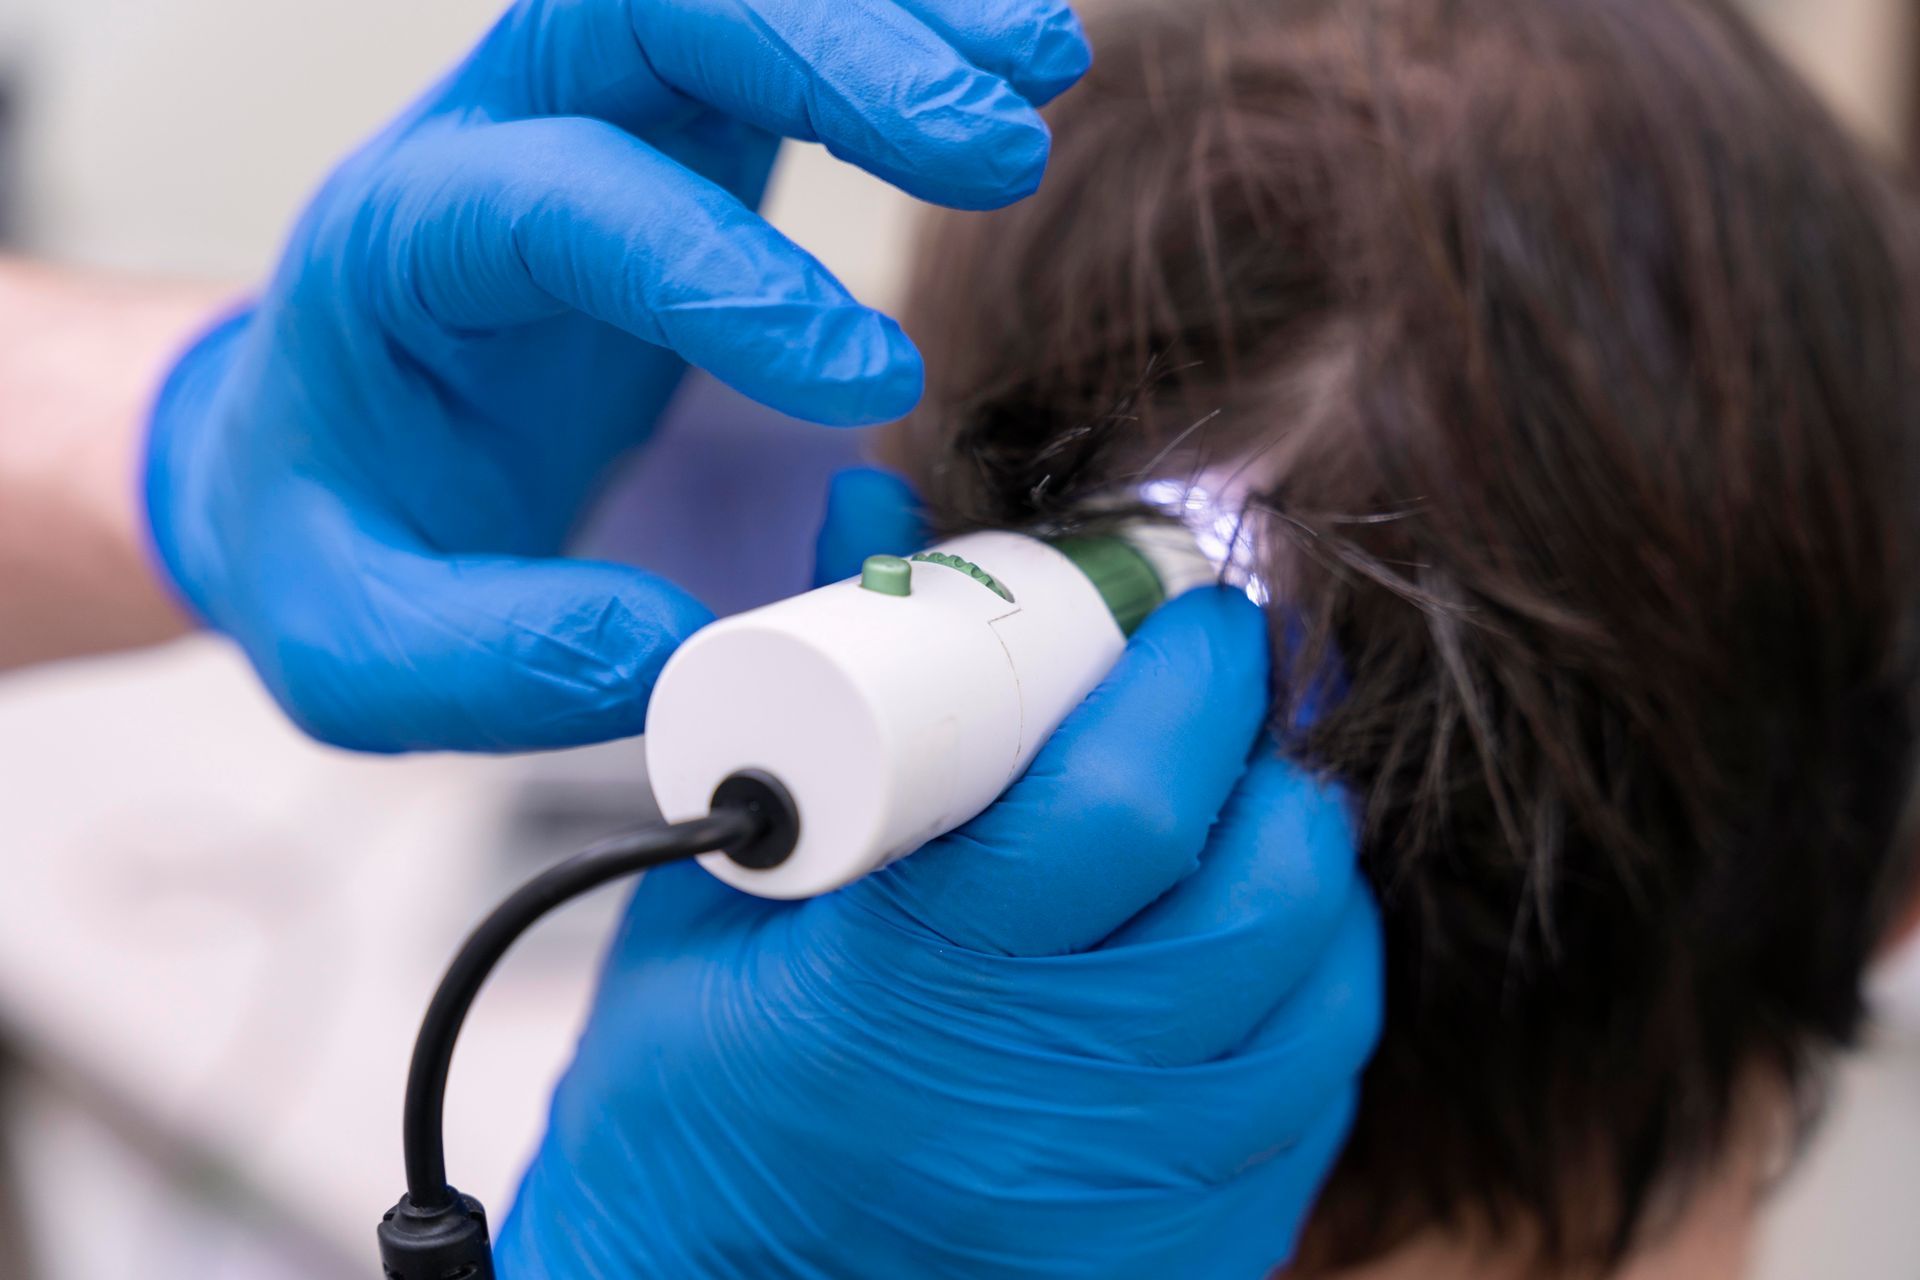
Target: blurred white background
<point>182,135</point>
<point>204,1005</point>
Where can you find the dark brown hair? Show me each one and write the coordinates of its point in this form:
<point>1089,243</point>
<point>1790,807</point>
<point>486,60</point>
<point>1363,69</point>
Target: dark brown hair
<point>1566,352</point>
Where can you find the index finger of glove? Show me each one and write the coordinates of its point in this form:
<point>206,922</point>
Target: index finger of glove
<point>524,221</point>
<point>868,78</point>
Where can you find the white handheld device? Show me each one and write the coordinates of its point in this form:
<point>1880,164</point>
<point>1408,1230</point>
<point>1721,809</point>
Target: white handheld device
<point>813,741</point>
<point>895,706</point>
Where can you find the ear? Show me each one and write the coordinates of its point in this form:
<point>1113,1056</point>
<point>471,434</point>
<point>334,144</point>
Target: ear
<point>1906,930</point>
<point>1893,983</point>
<point>1893,980</point>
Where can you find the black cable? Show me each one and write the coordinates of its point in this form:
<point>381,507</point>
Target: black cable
<point>435,1233</point>
<point>421,1127</point>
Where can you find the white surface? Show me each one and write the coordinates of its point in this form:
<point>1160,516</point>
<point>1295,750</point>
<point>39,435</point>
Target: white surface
<point>890,719</point>
<point>127,1223</point>
<point>1849,1210</point>
<point>1894,992</point>
<point>1856,53</point>
<point>227,935</point>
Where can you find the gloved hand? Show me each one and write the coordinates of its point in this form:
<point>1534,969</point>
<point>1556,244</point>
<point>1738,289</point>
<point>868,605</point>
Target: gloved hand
<point>358,478</point>
<point>1112,1028</point>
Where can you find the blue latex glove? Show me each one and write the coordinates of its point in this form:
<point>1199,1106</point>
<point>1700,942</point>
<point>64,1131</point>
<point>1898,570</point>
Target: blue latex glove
<point>1112,1028</point>
<point>360,478</point>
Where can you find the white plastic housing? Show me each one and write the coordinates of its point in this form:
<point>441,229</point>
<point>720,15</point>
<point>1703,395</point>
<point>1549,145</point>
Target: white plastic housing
<point>890,719</point>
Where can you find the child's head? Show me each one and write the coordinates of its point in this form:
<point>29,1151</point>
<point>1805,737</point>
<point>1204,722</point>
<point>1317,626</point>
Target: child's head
<point>1563,358</point>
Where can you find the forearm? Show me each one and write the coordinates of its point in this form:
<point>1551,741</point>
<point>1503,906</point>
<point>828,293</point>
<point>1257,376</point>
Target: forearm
<point>80,357</point>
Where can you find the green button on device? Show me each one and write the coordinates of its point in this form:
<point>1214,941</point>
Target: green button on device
<point>888,575</point>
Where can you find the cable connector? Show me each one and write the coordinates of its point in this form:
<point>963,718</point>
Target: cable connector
<point>776,823</point>
<point>448,1243</point>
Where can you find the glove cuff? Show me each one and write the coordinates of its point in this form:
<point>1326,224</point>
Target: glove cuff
<point>182,404</point>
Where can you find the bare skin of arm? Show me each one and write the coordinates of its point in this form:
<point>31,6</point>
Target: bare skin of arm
<point>81,356</point>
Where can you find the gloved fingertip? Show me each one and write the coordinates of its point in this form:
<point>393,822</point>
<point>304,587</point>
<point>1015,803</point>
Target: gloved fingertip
<point>872,488</point>
<point>903,377</point>
<point>880,506</point>
<point>1231,621</point>
<point>1017,161</point>
<point>978,144</point>
<point>869,512</point>
<point>1354,1000</point>
<point>868,370</point>
<point>1062,56</point>
<point>1280,779</point>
